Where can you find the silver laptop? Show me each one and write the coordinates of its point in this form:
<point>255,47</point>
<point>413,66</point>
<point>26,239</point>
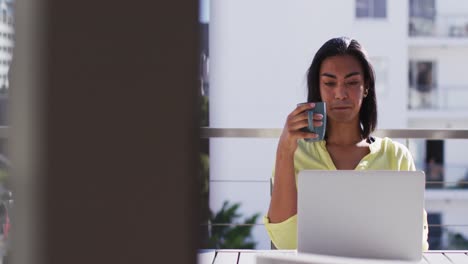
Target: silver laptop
<point>361,214</point>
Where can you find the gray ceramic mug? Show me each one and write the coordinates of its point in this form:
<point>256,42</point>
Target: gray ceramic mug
<point>320,108</point>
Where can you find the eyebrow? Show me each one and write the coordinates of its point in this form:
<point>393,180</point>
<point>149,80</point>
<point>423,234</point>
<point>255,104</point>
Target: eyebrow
<point>334,76</point>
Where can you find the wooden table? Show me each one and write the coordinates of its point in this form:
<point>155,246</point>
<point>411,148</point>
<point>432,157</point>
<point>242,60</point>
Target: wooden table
<point>228,256</point>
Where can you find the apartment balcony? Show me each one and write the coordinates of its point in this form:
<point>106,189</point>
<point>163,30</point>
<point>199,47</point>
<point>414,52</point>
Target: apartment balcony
<point>445,30</point>
<point>446,196</point>
<point>443,102</point>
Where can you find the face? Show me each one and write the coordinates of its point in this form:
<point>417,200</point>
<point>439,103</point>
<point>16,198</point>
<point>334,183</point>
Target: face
<point>342,87</point>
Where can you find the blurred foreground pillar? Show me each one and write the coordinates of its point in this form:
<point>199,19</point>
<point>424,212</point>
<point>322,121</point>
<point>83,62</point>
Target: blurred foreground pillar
<point>104,132</point>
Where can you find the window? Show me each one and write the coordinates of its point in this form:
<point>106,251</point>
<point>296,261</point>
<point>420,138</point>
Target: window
<point>371,8</point>
<point>434,165</point>
<point>422,82</point>
<point>422,16</point>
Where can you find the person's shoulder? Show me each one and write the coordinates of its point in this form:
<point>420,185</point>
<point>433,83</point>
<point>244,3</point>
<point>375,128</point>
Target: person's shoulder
<point>389,145</point>
<point>397,154</point>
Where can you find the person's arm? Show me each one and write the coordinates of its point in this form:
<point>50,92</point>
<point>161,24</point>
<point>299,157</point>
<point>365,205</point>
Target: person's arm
<point>283,202</point>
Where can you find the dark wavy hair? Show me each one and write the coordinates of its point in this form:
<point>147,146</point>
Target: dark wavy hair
<point>346,46</point>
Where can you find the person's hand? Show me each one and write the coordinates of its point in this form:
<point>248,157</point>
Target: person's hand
<point>297,120</point>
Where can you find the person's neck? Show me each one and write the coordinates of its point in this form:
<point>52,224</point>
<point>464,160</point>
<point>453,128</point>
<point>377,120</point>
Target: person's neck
<point>344,135</point>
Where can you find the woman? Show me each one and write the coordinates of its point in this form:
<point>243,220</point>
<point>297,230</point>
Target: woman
<point>342,76</point>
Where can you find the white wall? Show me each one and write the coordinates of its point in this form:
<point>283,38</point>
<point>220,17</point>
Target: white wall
<point>259,54</point>
<point>451,7</point>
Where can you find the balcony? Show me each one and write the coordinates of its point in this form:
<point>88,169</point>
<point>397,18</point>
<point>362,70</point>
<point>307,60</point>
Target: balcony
<point>438,100</point>
<point>443,30</point>
<point>446,195</point>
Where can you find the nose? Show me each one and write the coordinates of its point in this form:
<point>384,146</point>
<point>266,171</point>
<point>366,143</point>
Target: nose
<point>341,92</point>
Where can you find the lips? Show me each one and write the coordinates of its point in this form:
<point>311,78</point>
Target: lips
<point>341,107</point>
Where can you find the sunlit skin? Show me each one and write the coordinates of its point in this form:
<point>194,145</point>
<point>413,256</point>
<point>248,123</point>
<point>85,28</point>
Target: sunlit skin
<point>342,87</point>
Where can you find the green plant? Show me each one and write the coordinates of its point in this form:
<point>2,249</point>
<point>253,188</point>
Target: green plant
<point>204,171</point>
<point>233,236</point>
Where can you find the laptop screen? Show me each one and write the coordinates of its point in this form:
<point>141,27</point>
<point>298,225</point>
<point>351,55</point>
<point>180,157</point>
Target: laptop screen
<point>363,214</point>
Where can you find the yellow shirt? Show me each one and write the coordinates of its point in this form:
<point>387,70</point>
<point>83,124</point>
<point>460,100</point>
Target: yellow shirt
<point>385,154</point>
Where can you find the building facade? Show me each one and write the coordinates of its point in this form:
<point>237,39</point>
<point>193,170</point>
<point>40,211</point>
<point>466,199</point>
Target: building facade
<point>6,40</point>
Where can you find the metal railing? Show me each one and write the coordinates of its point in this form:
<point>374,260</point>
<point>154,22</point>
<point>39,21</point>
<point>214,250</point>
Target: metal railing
<point>209,132</point>
<point>434,134</point>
